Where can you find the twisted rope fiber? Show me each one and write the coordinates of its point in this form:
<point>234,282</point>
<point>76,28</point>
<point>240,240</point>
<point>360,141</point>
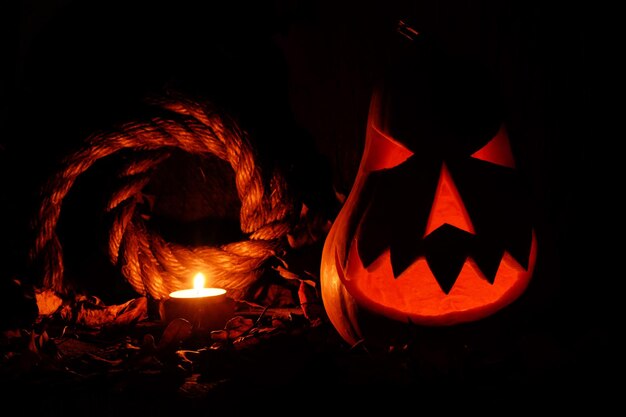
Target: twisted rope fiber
<point>150,264</point>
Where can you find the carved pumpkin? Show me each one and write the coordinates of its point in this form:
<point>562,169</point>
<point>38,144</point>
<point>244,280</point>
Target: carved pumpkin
<point>436,230</point>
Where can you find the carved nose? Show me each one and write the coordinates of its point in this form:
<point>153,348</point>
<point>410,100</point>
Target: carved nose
<point>448,207</point>
<point>448,232</point>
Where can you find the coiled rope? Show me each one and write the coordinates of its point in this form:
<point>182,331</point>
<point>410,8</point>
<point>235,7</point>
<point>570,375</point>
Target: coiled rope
<point>150,264</point>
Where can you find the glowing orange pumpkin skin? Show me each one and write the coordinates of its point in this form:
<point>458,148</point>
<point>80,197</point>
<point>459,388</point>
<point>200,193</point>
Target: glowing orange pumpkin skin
<point>370,303</point>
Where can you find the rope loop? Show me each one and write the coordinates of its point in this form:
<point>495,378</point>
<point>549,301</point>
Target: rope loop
<point>151,265</point>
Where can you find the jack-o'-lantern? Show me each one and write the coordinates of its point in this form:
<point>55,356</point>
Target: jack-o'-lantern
<point>437,228</point>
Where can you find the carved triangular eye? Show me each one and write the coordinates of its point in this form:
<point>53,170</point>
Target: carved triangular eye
<point>382,151</point>
<point>497,150</point>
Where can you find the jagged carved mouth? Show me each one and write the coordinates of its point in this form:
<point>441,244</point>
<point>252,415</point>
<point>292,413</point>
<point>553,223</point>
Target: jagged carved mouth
<point>416,295</point>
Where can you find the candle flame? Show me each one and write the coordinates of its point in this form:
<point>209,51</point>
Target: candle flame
<point>198,290</point>
<point>198,281</point>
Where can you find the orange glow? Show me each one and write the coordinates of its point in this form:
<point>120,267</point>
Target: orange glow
<point>448,206</point>
<point>198,293</point>
<point>415,296</point>
<point>198,290</point>
<point>198,281</point>
<point>382,151</point>
<point>497,150</point>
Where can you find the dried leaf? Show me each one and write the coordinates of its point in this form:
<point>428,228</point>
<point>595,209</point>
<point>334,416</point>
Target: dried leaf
<point>248,305</point>
<point>219,335</point>
<point>32,343</point>
<point>341,197</point>
<point>47,302</point>
<point>66,312</point>
<point>279,296</point>
<point>193,387</point>
<point>40,348</point>
<point>245,342</point>
<point>43,339</point>
<point>91,317</point>
<point>285,273</point>
<point>90,299</point>
<point>265,331</point>
<point>312,228</point>
<point>9,335</point>
<point>188,355</point>
<point>92,313</point>
<point>176,331</point>
<point>148,345</point>
<point>237,326</point>
<point>277,323</point>
<point>109,362</point>
<point>310,302</point>
<point>18,364</point>
<point>134,311</point>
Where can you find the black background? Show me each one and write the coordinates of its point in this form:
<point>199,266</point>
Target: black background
<point>298,73</point>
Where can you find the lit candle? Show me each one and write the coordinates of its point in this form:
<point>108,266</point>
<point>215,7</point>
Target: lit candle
<point>205,308</point>
<point>198,290</point>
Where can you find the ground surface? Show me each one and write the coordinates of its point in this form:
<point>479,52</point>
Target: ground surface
<point>283,362</point>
